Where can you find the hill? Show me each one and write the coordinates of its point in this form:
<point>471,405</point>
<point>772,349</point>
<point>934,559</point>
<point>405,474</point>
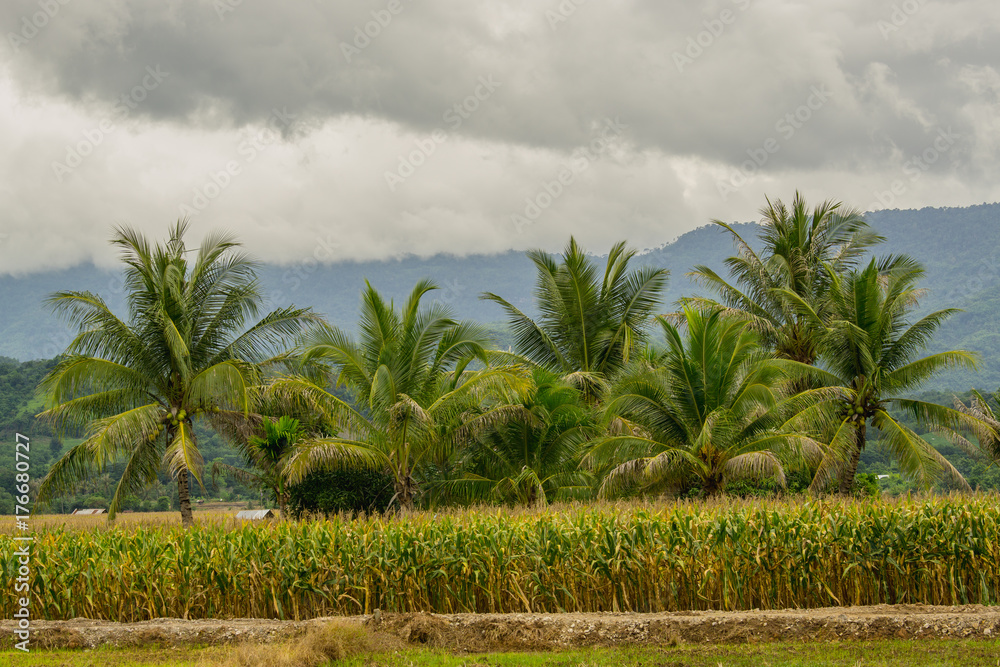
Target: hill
<point>959,246</point>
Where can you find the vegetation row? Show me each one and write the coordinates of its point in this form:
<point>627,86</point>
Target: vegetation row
<point>683,556</point>
<point>807,354</point>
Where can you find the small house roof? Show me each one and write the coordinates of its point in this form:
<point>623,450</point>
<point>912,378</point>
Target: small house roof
<point>255,515</point>
<point>90,511</point>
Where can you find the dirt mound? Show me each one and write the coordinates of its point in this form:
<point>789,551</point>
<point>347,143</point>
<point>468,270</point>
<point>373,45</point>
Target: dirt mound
<point>494,632</point>
<point>88,633</point>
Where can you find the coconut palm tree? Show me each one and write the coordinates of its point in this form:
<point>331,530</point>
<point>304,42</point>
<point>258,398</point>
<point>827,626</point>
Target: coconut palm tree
<point>411,371</point>
<point>189,350</point>
<point>982,423</point>
<point>527,454</point>
<point>591,323</point>
<point>710,408</point>
<point>870,352</point>
<point>268,454</point>
<point>796,245</point>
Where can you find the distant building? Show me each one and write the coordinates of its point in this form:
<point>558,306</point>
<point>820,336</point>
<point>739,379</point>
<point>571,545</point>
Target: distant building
<point>256,515</point>
<point>90,511</point>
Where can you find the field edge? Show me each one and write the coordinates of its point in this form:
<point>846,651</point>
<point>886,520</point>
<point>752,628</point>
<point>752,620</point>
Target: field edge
<point>483,633</point>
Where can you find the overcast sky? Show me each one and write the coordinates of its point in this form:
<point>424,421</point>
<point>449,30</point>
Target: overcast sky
<point>371,129</point>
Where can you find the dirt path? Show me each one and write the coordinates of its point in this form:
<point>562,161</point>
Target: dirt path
<point>482,632</point>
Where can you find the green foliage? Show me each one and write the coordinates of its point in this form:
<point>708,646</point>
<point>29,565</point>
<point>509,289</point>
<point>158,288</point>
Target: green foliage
<point>798,248</point>
<point>189,350</point>
<point>870,353</point>
<point>93,502</point>
<point>866,486</point>
<point>527,452</point>
<point>18,385</point>
<point>427,399</point>
<point>414,371</point>
<point>711,407</point>
<point>330,492</point>
<point>591,322</point>
<point>797,482</point>
<point>268,453</point>
<point>6,503</point>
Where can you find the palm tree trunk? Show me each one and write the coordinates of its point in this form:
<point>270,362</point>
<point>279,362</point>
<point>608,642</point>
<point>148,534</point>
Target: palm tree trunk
<point>405,492</point>
<point>711,487</point>
<point>847,476</point>
<point>187,518</point>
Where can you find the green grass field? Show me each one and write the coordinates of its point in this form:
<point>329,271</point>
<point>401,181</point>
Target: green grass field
<point>925,653</point>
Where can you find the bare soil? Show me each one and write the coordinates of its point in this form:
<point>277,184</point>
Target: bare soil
<point>496,632</point>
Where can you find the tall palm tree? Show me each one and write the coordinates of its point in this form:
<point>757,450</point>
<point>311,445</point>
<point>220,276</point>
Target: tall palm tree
<point>869,353</point>
<point>188,351</point>
<point>590,323</point>
<point>527,454</point>
<point>796,245</point>
<point>711,408</point>
<point>412,373</point>
<point>268,454</point>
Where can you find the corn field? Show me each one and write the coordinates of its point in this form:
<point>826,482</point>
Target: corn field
<point>730,556</point>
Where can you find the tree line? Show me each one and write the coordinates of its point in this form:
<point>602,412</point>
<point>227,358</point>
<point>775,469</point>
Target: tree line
<point>806,355</point>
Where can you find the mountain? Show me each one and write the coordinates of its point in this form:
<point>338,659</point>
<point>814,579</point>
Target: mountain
<point>960,247</point>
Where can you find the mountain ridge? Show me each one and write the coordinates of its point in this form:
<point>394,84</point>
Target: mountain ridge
<point>960,248</point>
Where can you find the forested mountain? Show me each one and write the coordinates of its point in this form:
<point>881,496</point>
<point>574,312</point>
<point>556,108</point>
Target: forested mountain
<point>960,247</point>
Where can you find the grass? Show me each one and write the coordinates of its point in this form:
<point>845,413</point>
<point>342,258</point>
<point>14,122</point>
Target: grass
<point>896,653</point>
<point>863,654</point>
<point>116,657</point>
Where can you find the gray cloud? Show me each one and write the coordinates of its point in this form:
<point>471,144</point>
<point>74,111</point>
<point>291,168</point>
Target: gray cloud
<point>724,100</point>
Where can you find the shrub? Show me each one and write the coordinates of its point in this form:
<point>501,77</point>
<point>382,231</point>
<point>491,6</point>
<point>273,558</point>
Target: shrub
<point>94,502</point>
<point>866,486</point>
<point>330,492</point>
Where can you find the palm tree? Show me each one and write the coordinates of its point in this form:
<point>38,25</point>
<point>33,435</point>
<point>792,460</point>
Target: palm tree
<point>983,423</point>
<point>411,371</point>
<point>869,354</point>
<point>590,324</point>
<point>186,353</point>
<point>527,454</point>
<point>796,245</point>
<point>268,454</point>
<point>711,407</point>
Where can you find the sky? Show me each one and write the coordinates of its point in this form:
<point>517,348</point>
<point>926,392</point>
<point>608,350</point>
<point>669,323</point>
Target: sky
<point>379,128</point>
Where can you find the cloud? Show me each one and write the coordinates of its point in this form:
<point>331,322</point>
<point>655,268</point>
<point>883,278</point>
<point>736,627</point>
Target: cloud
<point>723,101</point>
